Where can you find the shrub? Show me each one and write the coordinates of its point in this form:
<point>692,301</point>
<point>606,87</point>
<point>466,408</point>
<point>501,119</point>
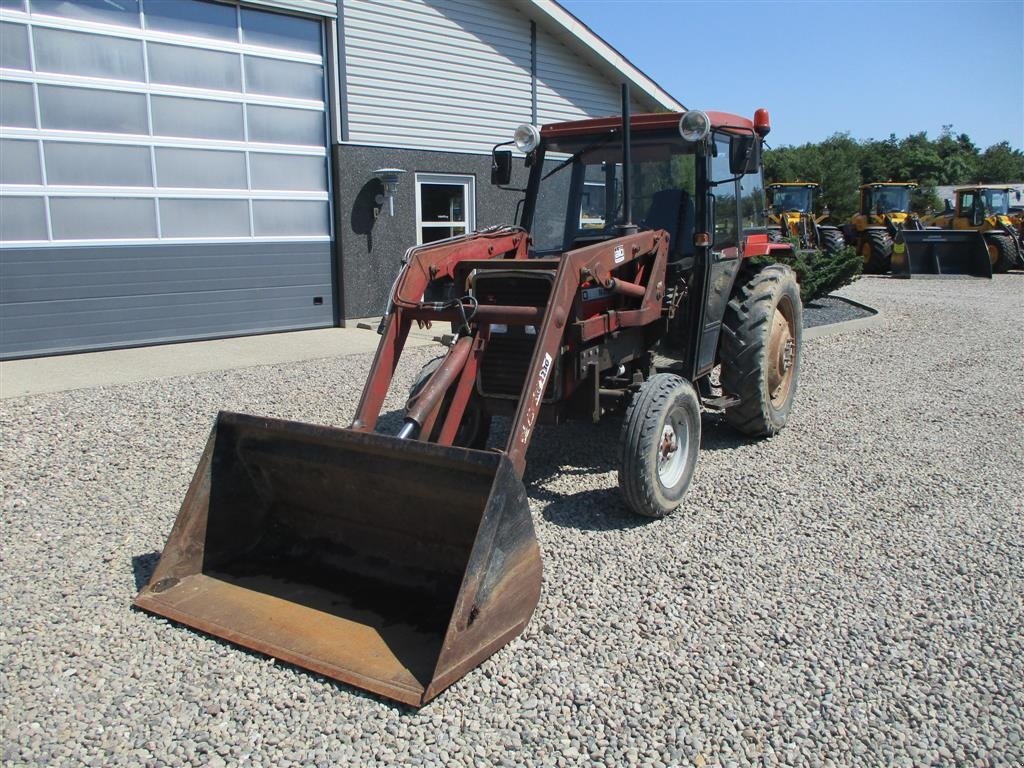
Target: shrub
<point>819,273</point>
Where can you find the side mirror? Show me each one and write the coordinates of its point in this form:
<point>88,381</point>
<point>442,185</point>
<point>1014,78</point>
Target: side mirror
<point>744,154</point>
<point>947,205</point>
<point>501,166</point>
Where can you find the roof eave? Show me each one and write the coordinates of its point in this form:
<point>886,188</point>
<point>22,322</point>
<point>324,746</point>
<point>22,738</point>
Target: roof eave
<point>556,15</point>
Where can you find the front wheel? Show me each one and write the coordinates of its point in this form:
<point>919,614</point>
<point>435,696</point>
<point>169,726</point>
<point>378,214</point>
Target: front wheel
<point>832,241</point>
<point>760,350</point>
<point>1002,251</point>
<point>877,251</point>
<point>659,446</point>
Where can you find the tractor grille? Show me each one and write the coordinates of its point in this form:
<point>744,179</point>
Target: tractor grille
<point>517,289</point>
<point>503,369</point>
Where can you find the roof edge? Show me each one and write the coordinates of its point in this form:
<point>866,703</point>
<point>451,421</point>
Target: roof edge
<point>558,15</point>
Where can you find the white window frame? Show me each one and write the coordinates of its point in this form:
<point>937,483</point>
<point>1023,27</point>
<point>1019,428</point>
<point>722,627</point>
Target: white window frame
<point>467,182</point>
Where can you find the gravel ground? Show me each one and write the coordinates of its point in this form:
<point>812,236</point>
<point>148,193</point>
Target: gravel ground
<point>847,593</point>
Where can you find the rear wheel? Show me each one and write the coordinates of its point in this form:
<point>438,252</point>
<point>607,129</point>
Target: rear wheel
<point>877,250</point>
<point>832,241</point>
<point>659,446</point>
<point>475,425</point>
<point>760,350</point>
<point>1003,252</point>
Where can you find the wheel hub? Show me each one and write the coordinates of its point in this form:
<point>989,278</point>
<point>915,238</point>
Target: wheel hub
<point>781,357</point>
<point>671,454</point>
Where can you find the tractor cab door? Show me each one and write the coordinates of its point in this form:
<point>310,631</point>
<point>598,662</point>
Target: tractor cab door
<point>724,198</point>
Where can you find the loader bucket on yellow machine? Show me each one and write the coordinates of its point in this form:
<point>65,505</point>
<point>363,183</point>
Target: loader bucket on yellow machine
<point>940,252</point>
<point>393,565</point>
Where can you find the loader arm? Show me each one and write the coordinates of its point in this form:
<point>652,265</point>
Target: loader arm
<point>647,254</point>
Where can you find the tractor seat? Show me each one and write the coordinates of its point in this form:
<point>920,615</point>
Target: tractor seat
<point>672,210</point>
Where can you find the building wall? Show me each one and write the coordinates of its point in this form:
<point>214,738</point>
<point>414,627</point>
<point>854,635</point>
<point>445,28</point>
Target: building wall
<point>457,75</point>
<point>371,247</point>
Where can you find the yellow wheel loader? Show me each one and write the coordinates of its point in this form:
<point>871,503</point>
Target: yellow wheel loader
<point>884,213</point>
<point>986,209</point>
<point>791,214</point>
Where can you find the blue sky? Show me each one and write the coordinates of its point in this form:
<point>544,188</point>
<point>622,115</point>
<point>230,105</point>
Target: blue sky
<point>869,68</point>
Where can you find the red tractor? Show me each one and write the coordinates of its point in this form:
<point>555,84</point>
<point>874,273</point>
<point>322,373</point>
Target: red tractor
<point>638,282</point>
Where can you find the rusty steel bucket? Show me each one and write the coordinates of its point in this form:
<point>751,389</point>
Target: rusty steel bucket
<point>940,252</point>
<point>393,565</point>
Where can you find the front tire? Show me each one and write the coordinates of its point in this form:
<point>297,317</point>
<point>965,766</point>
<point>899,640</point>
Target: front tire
<point>832,241</point>
<point>659,446</point>
<point>760,350</point>
<point>877,250</point>
<point>1003,252</point>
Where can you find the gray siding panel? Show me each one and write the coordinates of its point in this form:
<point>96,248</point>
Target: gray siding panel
<point>450,75</point>
<point>70,299</point>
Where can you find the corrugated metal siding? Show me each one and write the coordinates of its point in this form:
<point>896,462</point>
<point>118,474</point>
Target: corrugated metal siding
<point>568,88</point>
<point>67,299</point>
<point>454,75</point>
<point>451,75</point>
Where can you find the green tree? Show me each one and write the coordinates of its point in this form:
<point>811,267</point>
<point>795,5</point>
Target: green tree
<point>1001,163</point>
<point>841,164</point>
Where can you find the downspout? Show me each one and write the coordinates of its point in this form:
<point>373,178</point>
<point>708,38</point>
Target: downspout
<point>533,73</point>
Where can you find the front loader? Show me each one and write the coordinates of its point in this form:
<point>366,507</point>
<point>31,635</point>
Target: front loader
<point>875,231</point>
<point>397,563</point>
<point>985,210</point>
<point>791,214</point>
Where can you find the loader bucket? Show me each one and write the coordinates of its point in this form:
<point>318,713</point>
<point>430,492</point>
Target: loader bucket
<point>940,252</point>
<point>393,565</point>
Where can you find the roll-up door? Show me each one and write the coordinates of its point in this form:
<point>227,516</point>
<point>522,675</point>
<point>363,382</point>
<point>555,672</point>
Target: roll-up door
<point>163,173</point>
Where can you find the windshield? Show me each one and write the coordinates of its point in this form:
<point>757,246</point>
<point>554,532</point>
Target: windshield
<point>996,201</point>
<point>890,200</point>
<point>791,199</point>
<point>579,196</point>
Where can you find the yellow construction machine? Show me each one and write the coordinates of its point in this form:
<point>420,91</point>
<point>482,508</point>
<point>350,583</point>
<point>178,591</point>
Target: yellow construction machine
<point>986,209</point>
<point>791,214</point>
<point>884,213</point>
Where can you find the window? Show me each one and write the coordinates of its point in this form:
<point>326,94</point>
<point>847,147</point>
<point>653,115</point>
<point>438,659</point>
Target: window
<point>445,206</point>
<point>725,198</point>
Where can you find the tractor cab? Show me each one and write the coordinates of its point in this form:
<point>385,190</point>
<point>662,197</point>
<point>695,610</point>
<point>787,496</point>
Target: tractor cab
<point>704,188</point>
<point>885,199</point>
<point>795,197</point>
<point>983,202</point>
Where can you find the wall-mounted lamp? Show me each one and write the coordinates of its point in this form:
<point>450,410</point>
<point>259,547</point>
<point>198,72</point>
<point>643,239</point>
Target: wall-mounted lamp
<point>389,176</point>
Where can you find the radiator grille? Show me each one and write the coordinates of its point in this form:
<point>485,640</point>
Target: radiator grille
<point>503,369</point>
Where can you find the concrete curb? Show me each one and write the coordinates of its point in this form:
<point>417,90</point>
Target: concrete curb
<point>115,367</point>
<point>845,326</point>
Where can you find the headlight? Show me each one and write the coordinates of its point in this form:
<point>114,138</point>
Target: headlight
<point>526,138</point>
<point>694,125</point>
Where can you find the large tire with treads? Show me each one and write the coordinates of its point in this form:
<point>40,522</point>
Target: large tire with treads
<point>832,241</point>
<point>879,257</point>
<point>760,350</point>
<point>1006,253</point>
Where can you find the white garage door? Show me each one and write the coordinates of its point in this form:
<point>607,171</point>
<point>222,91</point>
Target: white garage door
<point>164,175</point>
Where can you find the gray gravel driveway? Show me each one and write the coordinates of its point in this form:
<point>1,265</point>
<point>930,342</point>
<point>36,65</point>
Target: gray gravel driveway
<point>850,592</point>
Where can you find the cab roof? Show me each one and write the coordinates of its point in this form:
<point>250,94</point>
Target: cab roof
<point>808,184</point>
<point>650,121</point>
<point>969,187</point>
<point>874,184</point>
